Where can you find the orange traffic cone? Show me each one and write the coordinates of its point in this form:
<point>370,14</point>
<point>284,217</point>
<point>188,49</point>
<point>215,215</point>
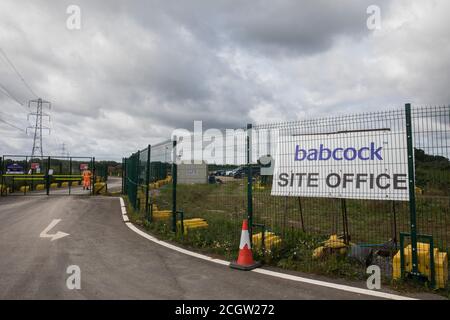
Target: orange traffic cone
<point>245,260</point>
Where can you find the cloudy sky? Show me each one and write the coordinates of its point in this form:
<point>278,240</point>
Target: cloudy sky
<point>136,70</point>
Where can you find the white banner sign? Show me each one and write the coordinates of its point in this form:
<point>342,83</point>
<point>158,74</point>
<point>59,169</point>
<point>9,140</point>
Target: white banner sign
<point>356,165</point>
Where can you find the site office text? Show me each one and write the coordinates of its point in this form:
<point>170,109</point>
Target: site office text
<point>372,152</point>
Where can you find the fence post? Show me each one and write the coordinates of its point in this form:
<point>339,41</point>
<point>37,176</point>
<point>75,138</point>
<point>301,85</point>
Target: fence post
<point>412,192</point>
<point>137,178</point>
<point>122,191</point>
<point>124,176</point>
<point>249,182</point>
<point>48,176</point>
<point>147,182</point>
<point>174,186</point>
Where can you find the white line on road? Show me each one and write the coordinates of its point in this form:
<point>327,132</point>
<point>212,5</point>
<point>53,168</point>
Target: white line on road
<point>280,275</point>
<point>55,236</point>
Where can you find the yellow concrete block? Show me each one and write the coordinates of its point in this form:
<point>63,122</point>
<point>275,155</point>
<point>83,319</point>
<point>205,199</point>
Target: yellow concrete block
<point>423,257</point>
<point>24,188</point>
<point>195,223</point>
<point>270,240</point>
<point>396,266</point>
<point>53,185</point>
<point>319,252</point>
<point>258,186</point>
<point>195,226</point>
<point>65,184</point>
<point>40,187</point>
<point>192,221</point>
<point>257,237</point>
<point>162,211</point>
<point>100,188</point>
<point>75,183</point>
<point>4,189</point>
<point>441,269</point>
<point>161,214</point>
<point>334,242</point>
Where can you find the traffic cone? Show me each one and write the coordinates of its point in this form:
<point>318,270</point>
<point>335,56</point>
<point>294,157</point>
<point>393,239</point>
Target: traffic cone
<point>245,260</point>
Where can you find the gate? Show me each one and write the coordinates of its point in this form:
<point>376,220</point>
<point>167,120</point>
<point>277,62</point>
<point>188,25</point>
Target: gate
<point>24,175</point>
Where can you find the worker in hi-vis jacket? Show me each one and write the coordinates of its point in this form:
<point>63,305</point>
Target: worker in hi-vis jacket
<point>86,179</point>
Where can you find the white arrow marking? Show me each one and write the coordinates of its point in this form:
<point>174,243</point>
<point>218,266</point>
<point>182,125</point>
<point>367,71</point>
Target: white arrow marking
<point>58,235</point>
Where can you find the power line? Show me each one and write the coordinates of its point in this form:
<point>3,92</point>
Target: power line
<point>10,95</point>
<point>17,72</point>
<point>11,125</point>
<point>3,114</point>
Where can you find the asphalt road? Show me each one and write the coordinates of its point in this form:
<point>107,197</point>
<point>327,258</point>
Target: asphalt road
<point>115,262</point>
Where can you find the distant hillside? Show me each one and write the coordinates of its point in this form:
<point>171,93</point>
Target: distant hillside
<point>432,173</point>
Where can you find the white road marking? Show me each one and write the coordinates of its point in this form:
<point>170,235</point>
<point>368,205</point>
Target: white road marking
<point>333,285</point>
<point>280,275</point>
<point>55,236</point>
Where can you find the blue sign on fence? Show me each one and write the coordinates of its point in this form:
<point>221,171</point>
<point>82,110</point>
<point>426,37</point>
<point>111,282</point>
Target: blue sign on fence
<point>14,169</point>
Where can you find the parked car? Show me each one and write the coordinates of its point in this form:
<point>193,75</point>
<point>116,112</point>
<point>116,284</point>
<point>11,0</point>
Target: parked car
<point>242,171</point>
<point>229,173</point>
<point>221,173</point>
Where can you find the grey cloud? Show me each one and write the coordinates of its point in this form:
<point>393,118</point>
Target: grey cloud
<point>138,69</point>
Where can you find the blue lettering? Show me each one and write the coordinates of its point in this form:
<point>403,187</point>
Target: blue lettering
<point>334,153</point>
<point>375,152</point>
<point>312,154</point>
<point>322,150</point>
<point>297,151</point>
<point>360,155</point>
<point>323,153</point>
<point>350,158</point>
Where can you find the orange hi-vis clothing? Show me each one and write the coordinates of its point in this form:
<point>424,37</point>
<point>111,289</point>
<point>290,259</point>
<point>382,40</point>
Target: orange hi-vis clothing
<point>87,178</point>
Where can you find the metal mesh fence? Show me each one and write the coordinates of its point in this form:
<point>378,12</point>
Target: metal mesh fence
<point>354,218</point>
<point>219,199</point>
<point>24,175</point>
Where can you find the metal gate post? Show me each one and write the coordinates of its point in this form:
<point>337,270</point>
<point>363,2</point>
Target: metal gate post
<point>147,182</point>
<point>249,181</point>
<point>174,186</point>
<point>94,178</point>
<point>70,172</point>
<point>412,192</point>
<point>48,175</point>
<point>26,172</point>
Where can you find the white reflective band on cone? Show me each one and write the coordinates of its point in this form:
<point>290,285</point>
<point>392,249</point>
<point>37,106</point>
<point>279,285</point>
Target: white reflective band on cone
<point>245,240</point>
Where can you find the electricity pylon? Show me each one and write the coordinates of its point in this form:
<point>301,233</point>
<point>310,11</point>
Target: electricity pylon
<point>64,151</point>
<point>38,127</point>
